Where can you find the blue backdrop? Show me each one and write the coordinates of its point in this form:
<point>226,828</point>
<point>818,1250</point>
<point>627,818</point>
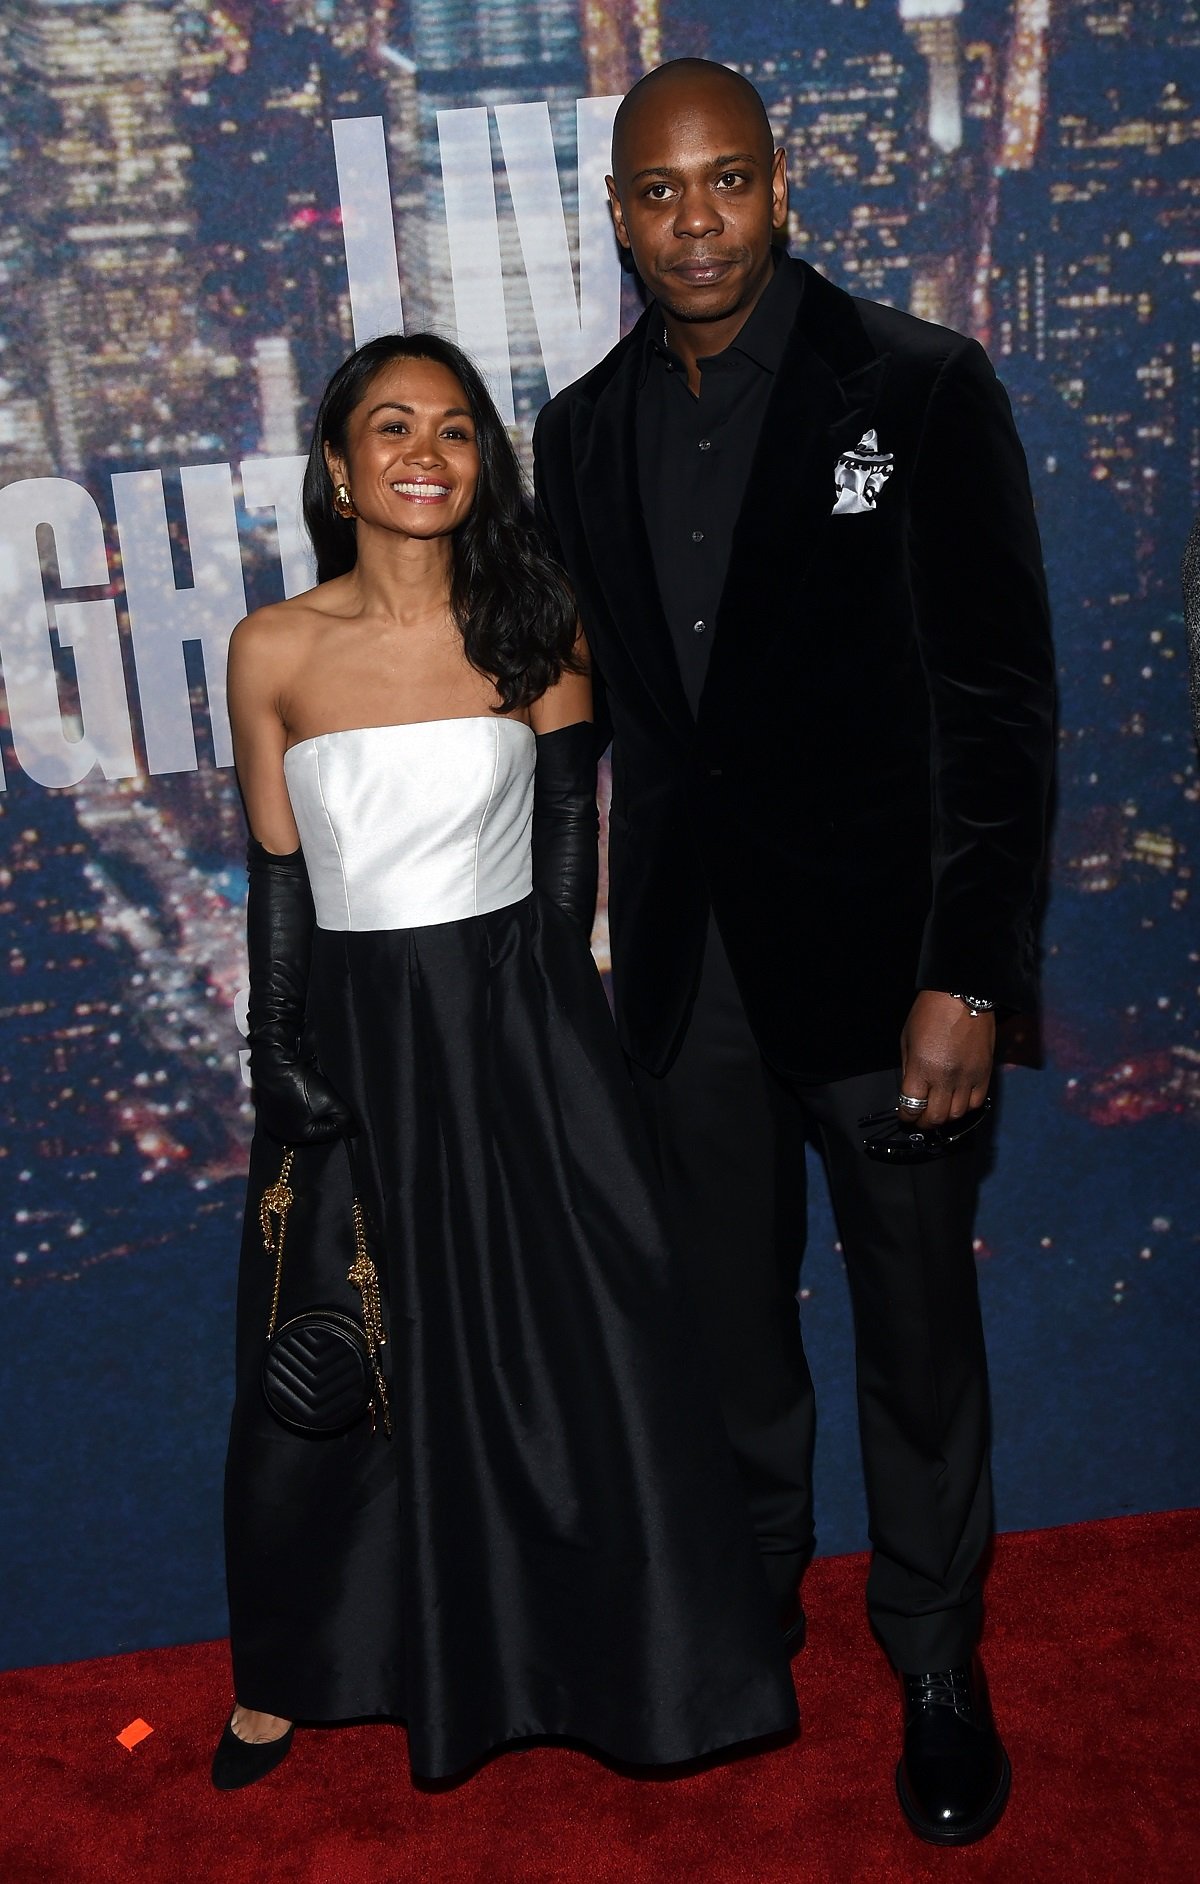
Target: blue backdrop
<point>201,209</point>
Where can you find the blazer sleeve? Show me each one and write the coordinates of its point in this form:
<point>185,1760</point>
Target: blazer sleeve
<point>541,500</point>
<point>983,623</point>
<point>544,454</point>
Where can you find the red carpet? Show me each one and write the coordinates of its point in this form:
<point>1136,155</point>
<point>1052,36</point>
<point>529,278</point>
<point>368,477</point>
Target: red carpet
<point>1093,1649</point>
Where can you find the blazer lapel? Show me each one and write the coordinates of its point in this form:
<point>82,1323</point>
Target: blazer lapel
<point>605,441</point>
<point>825,391</point>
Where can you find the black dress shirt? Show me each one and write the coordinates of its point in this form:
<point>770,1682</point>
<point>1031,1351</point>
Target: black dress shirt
<point>694,453</point>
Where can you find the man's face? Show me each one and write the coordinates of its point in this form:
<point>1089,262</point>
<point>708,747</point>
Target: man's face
<point>697,197</point>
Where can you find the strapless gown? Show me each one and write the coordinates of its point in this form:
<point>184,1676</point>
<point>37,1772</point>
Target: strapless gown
<point>554,1542</point>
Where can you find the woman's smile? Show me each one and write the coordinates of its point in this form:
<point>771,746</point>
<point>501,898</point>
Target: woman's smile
<point>422,490</point>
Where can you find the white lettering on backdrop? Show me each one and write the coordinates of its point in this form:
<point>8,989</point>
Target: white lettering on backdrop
<point>574,331</point>
<point>572,338</point>
<point>473,230</point>
<point>162,617</point>
<point>44,749</point>
<point>365,193</point>
<point>275,484</point>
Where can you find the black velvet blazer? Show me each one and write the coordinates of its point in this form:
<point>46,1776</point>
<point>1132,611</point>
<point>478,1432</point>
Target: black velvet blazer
<point>861,798</point>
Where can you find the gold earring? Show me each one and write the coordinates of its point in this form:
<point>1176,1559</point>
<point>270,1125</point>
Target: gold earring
<point>342,501</point>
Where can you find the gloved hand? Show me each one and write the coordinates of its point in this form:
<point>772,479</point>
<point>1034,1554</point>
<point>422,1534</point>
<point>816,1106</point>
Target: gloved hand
<point>566,824</point>
<point>294,1101</point>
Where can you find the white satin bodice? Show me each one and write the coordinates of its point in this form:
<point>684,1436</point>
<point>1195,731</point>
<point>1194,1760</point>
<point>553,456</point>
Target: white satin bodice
<point>407,825</point>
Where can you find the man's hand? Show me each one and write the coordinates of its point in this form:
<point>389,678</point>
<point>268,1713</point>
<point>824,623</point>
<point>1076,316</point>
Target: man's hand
<point>946,1057</point>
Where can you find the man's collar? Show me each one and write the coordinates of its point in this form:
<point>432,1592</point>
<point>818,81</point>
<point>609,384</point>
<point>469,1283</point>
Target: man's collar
<point>772,317</point>
<point>764,335</point>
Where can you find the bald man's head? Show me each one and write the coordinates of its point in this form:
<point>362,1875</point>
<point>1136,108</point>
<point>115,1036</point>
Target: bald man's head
<point>698,192</point>
<point>687,83</point>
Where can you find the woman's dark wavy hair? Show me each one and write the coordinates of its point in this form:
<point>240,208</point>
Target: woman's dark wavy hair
<point>513,605</point>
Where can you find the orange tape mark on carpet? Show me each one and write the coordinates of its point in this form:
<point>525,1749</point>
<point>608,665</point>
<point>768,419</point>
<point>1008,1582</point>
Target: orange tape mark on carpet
<point>133,1735</point>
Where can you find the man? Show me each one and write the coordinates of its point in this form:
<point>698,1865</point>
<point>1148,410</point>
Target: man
<point>801,537</point>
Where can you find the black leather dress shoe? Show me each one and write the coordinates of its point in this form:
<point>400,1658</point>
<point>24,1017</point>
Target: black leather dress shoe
<point>954,1776</point>
<point>240,1762</point>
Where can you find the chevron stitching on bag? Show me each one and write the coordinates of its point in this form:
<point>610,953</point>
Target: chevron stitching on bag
<point>317,1375</point>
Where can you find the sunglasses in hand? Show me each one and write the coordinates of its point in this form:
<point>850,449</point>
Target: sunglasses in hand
<point>893,1138</point>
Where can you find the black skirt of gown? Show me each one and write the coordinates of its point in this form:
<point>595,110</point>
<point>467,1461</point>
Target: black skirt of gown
<point>554,1542</point>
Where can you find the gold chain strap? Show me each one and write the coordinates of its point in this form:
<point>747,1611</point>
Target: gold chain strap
<point>363,1274</point>
<point>275,1203</point>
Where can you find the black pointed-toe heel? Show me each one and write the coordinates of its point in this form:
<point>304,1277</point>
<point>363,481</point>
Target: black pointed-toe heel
<point>239,1763</point>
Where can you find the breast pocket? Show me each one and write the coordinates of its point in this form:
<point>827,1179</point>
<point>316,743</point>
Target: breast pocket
<point>859,477</point>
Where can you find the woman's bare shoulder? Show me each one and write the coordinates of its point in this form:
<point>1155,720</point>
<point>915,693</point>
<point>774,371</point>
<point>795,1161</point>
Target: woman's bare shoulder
<point>281,628</point>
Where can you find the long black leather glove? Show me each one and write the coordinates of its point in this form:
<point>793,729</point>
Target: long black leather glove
<point>566,824</point>
<point>293,1099</point>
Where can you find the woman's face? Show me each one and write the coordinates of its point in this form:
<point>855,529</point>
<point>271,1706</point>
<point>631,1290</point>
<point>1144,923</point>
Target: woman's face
<point>411,460</point>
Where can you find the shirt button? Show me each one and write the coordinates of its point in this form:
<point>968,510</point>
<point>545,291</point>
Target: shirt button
<point>705,444</point>
<point>697,536</point>
<point>698,627</point>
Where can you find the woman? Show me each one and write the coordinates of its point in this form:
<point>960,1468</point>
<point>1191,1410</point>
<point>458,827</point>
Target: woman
<point>552,1540</point>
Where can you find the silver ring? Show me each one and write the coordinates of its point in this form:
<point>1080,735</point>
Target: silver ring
<point>910,1104</point>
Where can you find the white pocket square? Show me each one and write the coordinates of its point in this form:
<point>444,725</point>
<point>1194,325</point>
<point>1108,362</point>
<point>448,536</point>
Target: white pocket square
<point>859,476</point>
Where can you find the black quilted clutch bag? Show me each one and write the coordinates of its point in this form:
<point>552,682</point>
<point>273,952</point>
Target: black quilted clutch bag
<point>322,1370</point>
<point>316,1372</point>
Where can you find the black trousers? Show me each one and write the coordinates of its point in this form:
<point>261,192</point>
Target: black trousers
<point>729,1135</point>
